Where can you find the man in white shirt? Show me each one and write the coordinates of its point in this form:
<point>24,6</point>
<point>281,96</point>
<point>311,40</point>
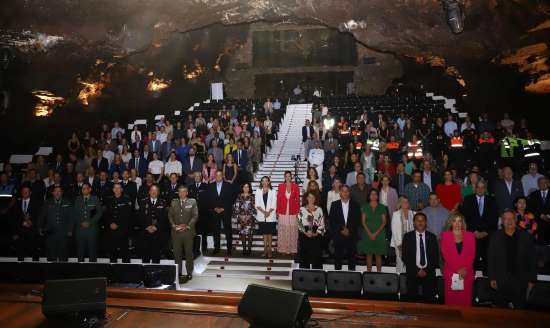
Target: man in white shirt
<point>530,180</point>
<point>450,126</point>
<point>116,130</point>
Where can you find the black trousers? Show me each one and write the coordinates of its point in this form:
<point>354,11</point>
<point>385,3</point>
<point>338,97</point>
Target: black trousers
<point>482,246</point>
<point>344,248</point>
<point>310,253</point>
<point>151,246</point>
<point>56,247</point>
<point>27,245</point>
<point>428,285</point>
<point>511,289</point>
<point>117,245</point>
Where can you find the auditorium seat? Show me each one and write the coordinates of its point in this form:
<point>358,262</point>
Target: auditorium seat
<point>539,298</point>
<point>380,286</point>
<point>347,284</point>
<point>312,282</point>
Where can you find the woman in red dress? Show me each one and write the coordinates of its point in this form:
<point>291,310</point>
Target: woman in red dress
<point>449,192</point>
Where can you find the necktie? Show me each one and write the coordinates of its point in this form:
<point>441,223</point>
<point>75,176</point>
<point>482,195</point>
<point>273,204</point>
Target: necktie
<point>153,202</point>
<point>480,205</point>
<point>25,206</point>
<point>544,196</point>
<point>137,164</point>
<point>422,252</point>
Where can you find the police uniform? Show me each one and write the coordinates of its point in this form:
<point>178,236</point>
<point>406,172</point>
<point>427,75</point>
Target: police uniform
<point>56,222</point>
<point>169,192</point>
<point>117,211</point>
<point>87,209</point>
<point>183,212</point>
<point>152,213</point>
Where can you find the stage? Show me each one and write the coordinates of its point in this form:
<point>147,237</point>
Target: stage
<point>20,307</point>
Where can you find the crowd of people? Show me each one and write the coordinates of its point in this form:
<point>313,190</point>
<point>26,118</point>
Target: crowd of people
<point>418,192</point>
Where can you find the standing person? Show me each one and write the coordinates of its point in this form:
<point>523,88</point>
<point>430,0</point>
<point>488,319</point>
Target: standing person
<point>230,170</point>
<point>244,211</point>
<point>401,223</point>
<point>458,251</point>
<point>266,203</point>
<point>183,215</point>
<point>199,192</point>
<point>512,267</point>
<point>87,212</point>
<point>24,218</point>
<point>334,194</point>
<point>388,195</point>
<point>344,221</point>
<point>311,225</point>
<point>316,157</point>
<point>241,160</point>
<point>373,240</point>
<point>449,192</point>
<point>417,192</point>
<point>288,206</point>
<point>401,179</point>
<point>480,211</point>
<point>507,189</point>
<point>360,190</point>
<point>421,257</point>
<point>56,224</point>
<point>307,135</point>
<point>153,221</point>
<point>220,205</point>
<point>539,205</point>
<point>117,216</point>
<point>437,215</point>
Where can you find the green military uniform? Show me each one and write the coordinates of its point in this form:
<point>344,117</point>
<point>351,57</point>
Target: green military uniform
<point>55,222</point>
<point>183,212</point>
<point>87,209</point>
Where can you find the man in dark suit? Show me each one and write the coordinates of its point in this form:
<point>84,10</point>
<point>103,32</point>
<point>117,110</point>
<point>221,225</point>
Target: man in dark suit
<point>118,213</point>
<point>138,163</point>
<point>154,144</point>
<point>167,147</point>
<point>24,220</point>
<point>38,188</point>
<point>512,267</point>
<point>480,211</point>
<point>58,166</point>
<point>104,187</point>
<point>191,164</point>
<point>401,179</point>
<point>169,189</point>
<point>129,187</point>
<point>429,177</point>
<point>137,145</point>
<point>241,159</point>
<point>153,219</point>
<point>199,191</point>
<point>507,190</point>
<point>421,258</point>
<point>100,163</point>
<point>539,205</point>
<point>307,131</point>
<point>344,221</point>
<point>220,205</point>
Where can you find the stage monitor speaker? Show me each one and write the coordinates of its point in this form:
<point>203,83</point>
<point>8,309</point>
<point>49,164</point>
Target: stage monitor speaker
<point>344,284</point>
<point>272,307</point>
<point>75,298</point>
<point>312,282</point>
<point>381,286</point>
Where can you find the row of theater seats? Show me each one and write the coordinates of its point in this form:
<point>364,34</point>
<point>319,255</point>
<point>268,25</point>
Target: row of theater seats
<point>393,287</point>
<point>117,274</point>
<point>385,100</point>
<point>243,105</point>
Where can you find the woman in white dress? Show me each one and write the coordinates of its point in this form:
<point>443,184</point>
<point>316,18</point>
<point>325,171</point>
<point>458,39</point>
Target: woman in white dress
<point>401,223</point>
<point>266,205</point>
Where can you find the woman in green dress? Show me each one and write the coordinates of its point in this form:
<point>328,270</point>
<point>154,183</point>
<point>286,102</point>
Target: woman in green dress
<point>373,241</point>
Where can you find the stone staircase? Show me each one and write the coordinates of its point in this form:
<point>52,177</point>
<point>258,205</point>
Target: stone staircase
<point>249,268</point>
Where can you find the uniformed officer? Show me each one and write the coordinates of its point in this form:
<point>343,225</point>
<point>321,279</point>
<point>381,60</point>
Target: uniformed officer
<point>87,212</point>
<point>183,215</point>
<point>118,211</point>
<point>55,223</point>
<point>170,188</point>
<point>153,222</point>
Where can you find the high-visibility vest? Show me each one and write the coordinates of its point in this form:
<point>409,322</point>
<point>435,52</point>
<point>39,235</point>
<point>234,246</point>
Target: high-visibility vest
<point>486,140</point>
<point>507,146</point>
<point>392,145</point>
<point>457,142</point>
<point>531,148</point>
<point>374,143</point>
<point>414,150</point>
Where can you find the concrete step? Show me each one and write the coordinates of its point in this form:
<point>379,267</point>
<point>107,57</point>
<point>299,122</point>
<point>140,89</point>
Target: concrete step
<point>255,274</point>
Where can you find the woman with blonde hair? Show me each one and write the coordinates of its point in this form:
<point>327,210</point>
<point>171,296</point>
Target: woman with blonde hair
<point>401,223</point>
<point>458,250</point>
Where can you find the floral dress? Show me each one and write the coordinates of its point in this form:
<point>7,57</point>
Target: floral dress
<point>528,223</point>
<point>244,212</point>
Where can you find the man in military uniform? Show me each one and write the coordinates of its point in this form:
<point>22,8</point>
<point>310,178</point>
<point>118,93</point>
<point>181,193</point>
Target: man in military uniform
<point>87,212</point>
<point>118,211</point>
<point>153,222</point>
<point>170,188</point>
<point>55,223</point>
<point>183,215</point>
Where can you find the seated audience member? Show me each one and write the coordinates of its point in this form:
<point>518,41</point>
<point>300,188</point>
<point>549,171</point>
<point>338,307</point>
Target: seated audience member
<point>512,267</point>
<point>373,240</point>
<point>421,258</point>
<point>344,220</point>
<point>311,224</point>
<point>458,251</point>
<point>437,215</point>
<point>401,223</point>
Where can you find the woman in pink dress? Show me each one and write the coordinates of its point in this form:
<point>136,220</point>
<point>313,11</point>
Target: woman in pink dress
<point>458,249</point>
<point>288,206</point>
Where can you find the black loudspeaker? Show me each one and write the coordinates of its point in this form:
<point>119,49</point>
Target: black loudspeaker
<point>273,308</point>
<point>312,282</point>
<point>381,286</point>
<point>344,284</point>
<point>74,299</point>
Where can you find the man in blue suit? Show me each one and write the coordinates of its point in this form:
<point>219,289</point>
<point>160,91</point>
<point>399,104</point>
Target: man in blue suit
<point>139,163</point>
<point>154,144</point>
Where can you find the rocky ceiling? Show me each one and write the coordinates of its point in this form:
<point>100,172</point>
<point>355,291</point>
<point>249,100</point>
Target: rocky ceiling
<point>504,32</point>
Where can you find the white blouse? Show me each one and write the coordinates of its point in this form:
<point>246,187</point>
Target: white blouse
<point>173,167</point>
<point>155,167</point>
<point>332,196</point>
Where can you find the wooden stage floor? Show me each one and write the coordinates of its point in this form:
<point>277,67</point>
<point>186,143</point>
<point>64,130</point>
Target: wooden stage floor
<point>20,307</point>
